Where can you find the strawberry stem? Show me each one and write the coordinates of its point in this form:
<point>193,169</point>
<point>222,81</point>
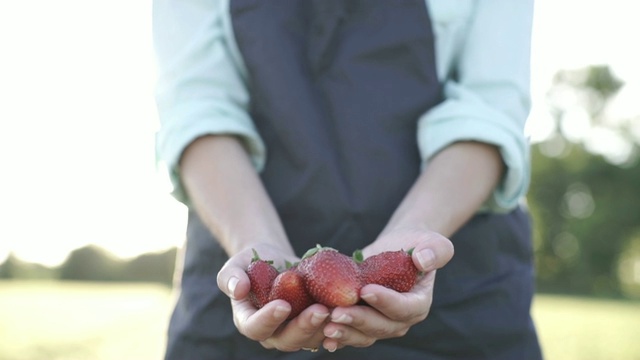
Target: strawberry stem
<point>256,257</point>
<point>357,256</point>
<point>312,251</point>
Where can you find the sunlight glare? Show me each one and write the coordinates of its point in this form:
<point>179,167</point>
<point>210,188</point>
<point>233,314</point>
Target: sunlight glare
<point>78,117</point>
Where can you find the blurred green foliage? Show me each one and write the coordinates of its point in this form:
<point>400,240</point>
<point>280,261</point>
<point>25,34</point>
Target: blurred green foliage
<point>587,217</point>
<point>586,205</point>
<point>92,263</point>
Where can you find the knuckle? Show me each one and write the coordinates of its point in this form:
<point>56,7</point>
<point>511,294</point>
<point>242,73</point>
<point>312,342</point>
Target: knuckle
<point>306,328</point>
<point>287,348</point>
<point>402,332</point>
<point>405,314</point>
<point>369,342</point>
<point>256,337</point>
<point>379,333</point>
<point>267,345</point>
<point>423,315</point>
<point>363,342</point>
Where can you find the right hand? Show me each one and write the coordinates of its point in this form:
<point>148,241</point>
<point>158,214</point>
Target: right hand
<point>268,325</point>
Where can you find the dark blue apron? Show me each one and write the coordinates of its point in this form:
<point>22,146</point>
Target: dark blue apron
<point>336,90</point>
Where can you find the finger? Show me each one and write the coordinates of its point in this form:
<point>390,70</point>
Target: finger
<point>232,278</point>
<point>332,345</point>
<point>391,314</point>
<point>409,307</point>
<point>434,252</point>
<point>260,324</point>
<point>346,335</point>
<point>233,281</point>
<point>305,330</point>
<point>360,326</point>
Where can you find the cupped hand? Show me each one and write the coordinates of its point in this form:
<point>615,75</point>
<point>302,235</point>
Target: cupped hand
<point>268,325</point>
<point>431,250</point>
<point>391,314</point>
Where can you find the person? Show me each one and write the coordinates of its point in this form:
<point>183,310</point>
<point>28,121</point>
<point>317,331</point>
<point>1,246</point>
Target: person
<point>372,125</point>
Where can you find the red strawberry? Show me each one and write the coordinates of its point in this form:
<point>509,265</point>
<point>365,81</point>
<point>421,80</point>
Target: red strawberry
<point>261,274</point>
<point>331,278</point>
<point>289,286</point>
<point>391,269</point>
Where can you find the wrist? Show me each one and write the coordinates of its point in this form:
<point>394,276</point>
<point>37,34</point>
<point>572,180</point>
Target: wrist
<point>451,189</point>
<point>227,193</point>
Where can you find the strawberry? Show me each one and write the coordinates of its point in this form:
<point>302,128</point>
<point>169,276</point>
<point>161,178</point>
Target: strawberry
<point>261,274</point>
<point>289,286</point>
<point>391,269</point>
<point>331,278</point>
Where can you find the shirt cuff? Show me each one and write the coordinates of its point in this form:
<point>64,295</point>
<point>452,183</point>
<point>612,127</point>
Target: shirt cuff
<point>193,119</point>
<point>466,117</point>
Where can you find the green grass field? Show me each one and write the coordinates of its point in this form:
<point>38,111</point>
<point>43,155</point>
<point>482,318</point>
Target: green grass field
<point>104,321</point>
<point>88,321</point>
<point>573,328</point>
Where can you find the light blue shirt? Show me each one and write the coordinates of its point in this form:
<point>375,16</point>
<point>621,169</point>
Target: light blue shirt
<point>482,57</point>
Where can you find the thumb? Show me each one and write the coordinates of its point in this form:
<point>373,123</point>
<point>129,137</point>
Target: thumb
<point>433,252</point>
<point>233,281</point>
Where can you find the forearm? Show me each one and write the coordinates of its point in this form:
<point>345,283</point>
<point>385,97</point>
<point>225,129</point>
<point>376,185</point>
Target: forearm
<point>228,195</point>
<point>456,182</point>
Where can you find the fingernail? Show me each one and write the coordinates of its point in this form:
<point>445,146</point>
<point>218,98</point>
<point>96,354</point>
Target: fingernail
<point>332,348</point>
<point>370,298</point>
<point>343,319</point>
<point>317,318</point>
<point>281,312</point>
<point>231,285</point>
<point>336,334</point>
<point>426,258</point>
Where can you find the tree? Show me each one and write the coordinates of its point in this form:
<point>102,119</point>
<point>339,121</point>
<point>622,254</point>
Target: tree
<point>8,267</point>
<point>584,202</point>
<point>90,263</point>
<point>155,267</point>
<point>15,268</point>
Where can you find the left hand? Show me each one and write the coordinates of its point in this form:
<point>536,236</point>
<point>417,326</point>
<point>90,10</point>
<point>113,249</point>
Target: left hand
<point>391,314</point>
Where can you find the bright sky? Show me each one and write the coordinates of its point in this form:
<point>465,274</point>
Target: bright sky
<point>77,116</point>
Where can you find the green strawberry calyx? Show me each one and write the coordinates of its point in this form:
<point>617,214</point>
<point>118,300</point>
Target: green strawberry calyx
<point>288,264</point>
<point>315,250</point>
<point>256,257</point>
<point>357,256</point>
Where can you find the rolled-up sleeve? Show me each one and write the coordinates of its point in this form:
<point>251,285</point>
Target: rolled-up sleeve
<point>487,96</point>
<point>201,87</point>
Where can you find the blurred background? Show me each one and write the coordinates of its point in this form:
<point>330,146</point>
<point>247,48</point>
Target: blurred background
<point>88,231</point>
